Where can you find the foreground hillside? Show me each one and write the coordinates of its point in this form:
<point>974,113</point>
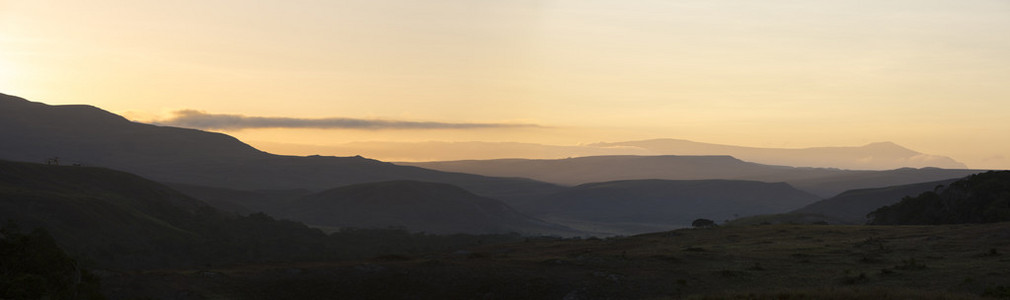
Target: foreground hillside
<point>776,261</point>
<point>116,220</point>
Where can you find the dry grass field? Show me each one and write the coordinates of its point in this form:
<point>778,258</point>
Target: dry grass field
<point>734,262</point>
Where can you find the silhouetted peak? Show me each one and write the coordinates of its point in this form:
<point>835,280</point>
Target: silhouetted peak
<point>73,113</point>
<point>888,147</point>
<point>885,145</point>
<point>4,98</point>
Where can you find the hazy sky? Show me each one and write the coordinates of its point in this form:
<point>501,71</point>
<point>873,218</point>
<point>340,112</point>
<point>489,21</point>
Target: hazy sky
<point>930,75</point>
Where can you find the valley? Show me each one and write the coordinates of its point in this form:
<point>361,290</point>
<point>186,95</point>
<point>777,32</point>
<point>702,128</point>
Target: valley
<point>174,213</point>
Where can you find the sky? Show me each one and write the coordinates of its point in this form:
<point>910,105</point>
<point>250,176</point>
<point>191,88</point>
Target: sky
<point>928,75</point>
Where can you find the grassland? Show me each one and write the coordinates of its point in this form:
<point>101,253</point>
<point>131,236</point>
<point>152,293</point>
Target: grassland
<point>735,262</point>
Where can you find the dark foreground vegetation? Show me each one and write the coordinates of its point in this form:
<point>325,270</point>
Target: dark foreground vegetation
<point>728,262</point>
<point>33,266</point>
<point>979,198</point>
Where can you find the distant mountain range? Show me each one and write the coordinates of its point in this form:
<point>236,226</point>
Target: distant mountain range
<point>820,181</point>
<point>615,194</point>
<point>875,156</point>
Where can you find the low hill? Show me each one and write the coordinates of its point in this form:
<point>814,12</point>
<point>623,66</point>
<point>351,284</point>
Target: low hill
<point>851,207</point>
<point>115,220</point>
<point>417,206</point>
<point>81,134</point>
<point>828,186</point>
<point>639,206</point>
<point>119,220</point>
<point>573,171</point>
<point>980,198</point>
<point>242,202</point>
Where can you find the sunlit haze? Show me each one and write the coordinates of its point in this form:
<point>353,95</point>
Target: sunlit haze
<point>928,75</point>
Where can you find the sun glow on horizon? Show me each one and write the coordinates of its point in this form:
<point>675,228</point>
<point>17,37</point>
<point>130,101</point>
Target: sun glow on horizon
<point>927,75</point>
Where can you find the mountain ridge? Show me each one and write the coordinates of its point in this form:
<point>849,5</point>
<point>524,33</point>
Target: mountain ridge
<point>824,182</point>
<point>90,136</point>
<point>872,156</point>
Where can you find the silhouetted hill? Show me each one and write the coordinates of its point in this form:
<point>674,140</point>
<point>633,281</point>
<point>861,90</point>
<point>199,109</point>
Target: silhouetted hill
<point>852,206</point>
<point>980,198</point>
<point>875,156</point>
<point>93,137</point>
<point>638,206</point>
<point>242,202</point>
<point>850,180</point>
<point>115,220</point>
<point>416,206</point>
<point>86,134</point>
<point>120,220</point>
<point>820,181</point>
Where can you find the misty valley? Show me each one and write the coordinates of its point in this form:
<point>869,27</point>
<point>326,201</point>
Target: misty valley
<point>95,206</point>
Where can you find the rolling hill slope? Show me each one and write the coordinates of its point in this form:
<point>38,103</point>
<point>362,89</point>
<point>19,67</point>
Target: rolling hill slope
<point>573,171</point>
<point>417,206</point>
<point>93,137</point>
<point>639,206</point>
<point>120,220</point>
<point>852,206</point>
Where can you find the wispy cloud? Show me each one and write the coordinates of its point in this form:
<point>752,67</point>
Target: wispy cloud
<point>203,120</point>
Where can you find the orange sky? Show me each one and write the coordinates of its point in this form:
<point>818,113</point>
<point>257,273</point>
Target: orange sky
<point>929,75</point>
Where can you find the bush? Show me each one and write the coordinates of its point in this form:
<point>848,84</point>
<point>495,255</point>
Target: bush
<point>34,267</point>
<point>703,223</point>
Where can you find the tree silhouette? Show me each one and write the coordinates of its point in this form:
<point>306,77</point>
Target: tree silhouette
<point>703,223</point>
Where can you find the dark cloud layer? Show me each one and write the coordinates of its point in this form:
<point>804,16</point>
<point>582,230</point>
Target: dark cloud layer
<point>203,120</point>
